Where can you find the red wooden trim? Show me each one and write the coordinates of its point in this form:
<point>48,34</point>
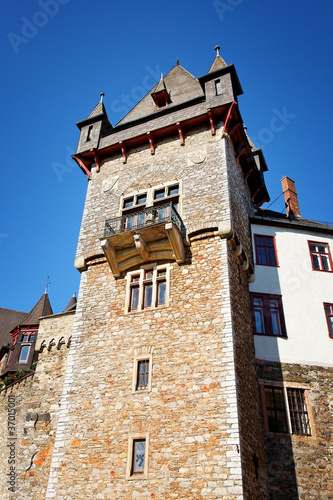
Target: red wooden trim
<point>151,142</point>
<point>249,173</point>
<point>123,151</point>
<point>330,333</point>
<point>82,165</point>
<point>96,158</point>
<point>181,134</point>
<point>328,253</point>
<point>211,120</point>
<point>229,116</point>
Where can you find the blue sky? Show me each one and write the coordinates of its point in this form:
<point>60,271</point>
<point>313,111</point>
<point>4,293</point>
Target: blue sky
<point>58,55</point>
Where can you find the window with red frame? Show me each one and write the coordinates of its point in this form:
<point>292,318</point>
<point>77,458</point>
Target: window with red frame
<point>265,250</point>
<point>320,256</point>
<point>267,315</point>
<point>329,317</point>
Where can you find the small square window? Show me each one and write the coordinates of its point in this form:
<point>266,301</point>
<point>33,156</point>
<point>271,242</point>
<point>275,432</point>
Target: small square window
<point>128,202</point>
<point>141,198</point>
<point>159,193</point>
<point>265,250</point>
<point>24,354</point>
<point>137,461</point>
<point>173,190</point>
<point>320,256</point>
<point>329,318</point>
<point>267,315</point>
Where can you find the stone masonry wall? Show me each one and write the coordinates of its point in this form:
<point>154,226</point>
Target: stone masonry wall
<point>301,466</point>
<point>34,403</point>
<point>251,449</point>
<point>191,413</point>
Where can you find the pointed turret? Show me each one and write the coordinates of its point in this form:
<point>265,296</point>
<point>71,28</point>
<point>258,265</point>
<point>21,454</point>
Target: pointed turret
<point>42,308</point>
<point>71,306</point>
<point>218,62</point>
<point>95,126</point>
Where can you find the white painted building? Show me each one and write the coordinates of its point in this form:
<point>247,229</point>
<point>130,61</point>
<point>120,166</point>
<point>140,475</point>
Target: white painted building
<point>292,294</point>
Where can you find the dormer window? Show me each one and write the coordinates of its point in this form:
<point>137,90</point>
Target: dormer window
<point>161,98</point>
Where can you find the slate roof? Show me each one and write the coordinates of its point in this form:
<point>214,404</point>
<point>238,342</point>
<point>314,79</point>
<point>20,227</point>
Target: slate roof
<point>42,308</point>
<point>218,63</point>
<point>71,304</point>
<point>9,319</point>
<point>98,110</point>
<point>181,86</point>
<point>268,217</point>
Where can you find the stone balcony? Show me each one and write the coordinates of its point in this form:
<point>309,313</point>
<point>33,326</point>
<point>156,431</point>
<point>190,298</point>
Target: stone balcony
<point>155,233</point>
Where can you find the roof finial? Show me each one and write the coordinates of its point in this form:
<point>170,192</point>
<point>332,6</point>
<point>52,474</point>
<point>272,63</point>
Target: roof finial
<point>217,48</point>
<point>47,285</point>
<point>177,63</point>
<point>102,95</point>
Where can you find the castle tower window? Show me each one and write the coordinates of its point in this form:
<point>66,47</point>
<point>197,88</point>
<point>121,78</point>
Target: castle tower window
<point>148,288</point>
<point>89,132</point>
<point>137,461</point>
<point>218,87</point>
<point>143,374</point>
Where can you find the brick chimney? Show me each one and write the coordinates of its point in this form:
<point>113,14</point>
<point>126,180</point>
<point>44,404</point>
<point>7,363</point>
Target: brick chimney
<point>290,197</point>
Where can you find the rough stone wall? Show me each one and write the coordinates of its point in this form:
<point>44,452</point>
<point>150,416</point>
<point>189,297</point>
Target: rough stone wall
<point>301,466</point>
<point>251,449</point>
<point>191,413</point>
<point>35,400</point>
<point>197,164</point>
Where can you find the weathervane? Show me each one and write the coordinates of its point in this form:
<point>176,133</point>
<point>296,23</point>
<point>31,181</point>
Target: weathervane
<point>47,284</point>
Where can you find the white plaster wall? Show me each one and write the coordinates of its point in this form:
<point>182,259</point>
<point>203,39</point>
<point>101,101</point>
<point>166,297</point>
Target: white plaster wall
<point>303,293</point>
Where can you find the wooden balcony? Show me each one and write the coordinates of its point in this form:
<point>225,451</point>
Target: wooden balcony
<point>155,233</point>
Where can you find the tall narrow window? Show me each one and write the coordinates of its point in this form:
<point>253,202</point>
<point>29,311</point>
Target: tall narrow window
<point>320,256</point>
<point>139,450</point>
<point>299,417</point>
<point>143,374</point>
<point>89,132</point>
<point>134,292</point>
<point>148,289</point>
<point>329,317</point>
<point>265,250</point>
<point>137,461</point>
<point>218,87</point>
<point>161,287</point>
<point>276,409</point>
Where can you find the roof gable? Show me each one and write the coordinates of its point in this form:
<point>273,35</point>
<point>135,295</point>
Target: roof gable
<point>179,83</point>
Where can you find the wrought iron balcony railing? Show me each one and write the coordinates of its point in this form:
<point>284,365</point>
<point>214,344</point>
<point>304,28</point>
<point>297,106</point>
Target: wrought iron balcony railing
<point>148,217</point>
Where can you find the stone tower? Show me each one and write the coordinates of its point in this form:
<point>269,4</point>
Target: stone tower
<point>160,397</point>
